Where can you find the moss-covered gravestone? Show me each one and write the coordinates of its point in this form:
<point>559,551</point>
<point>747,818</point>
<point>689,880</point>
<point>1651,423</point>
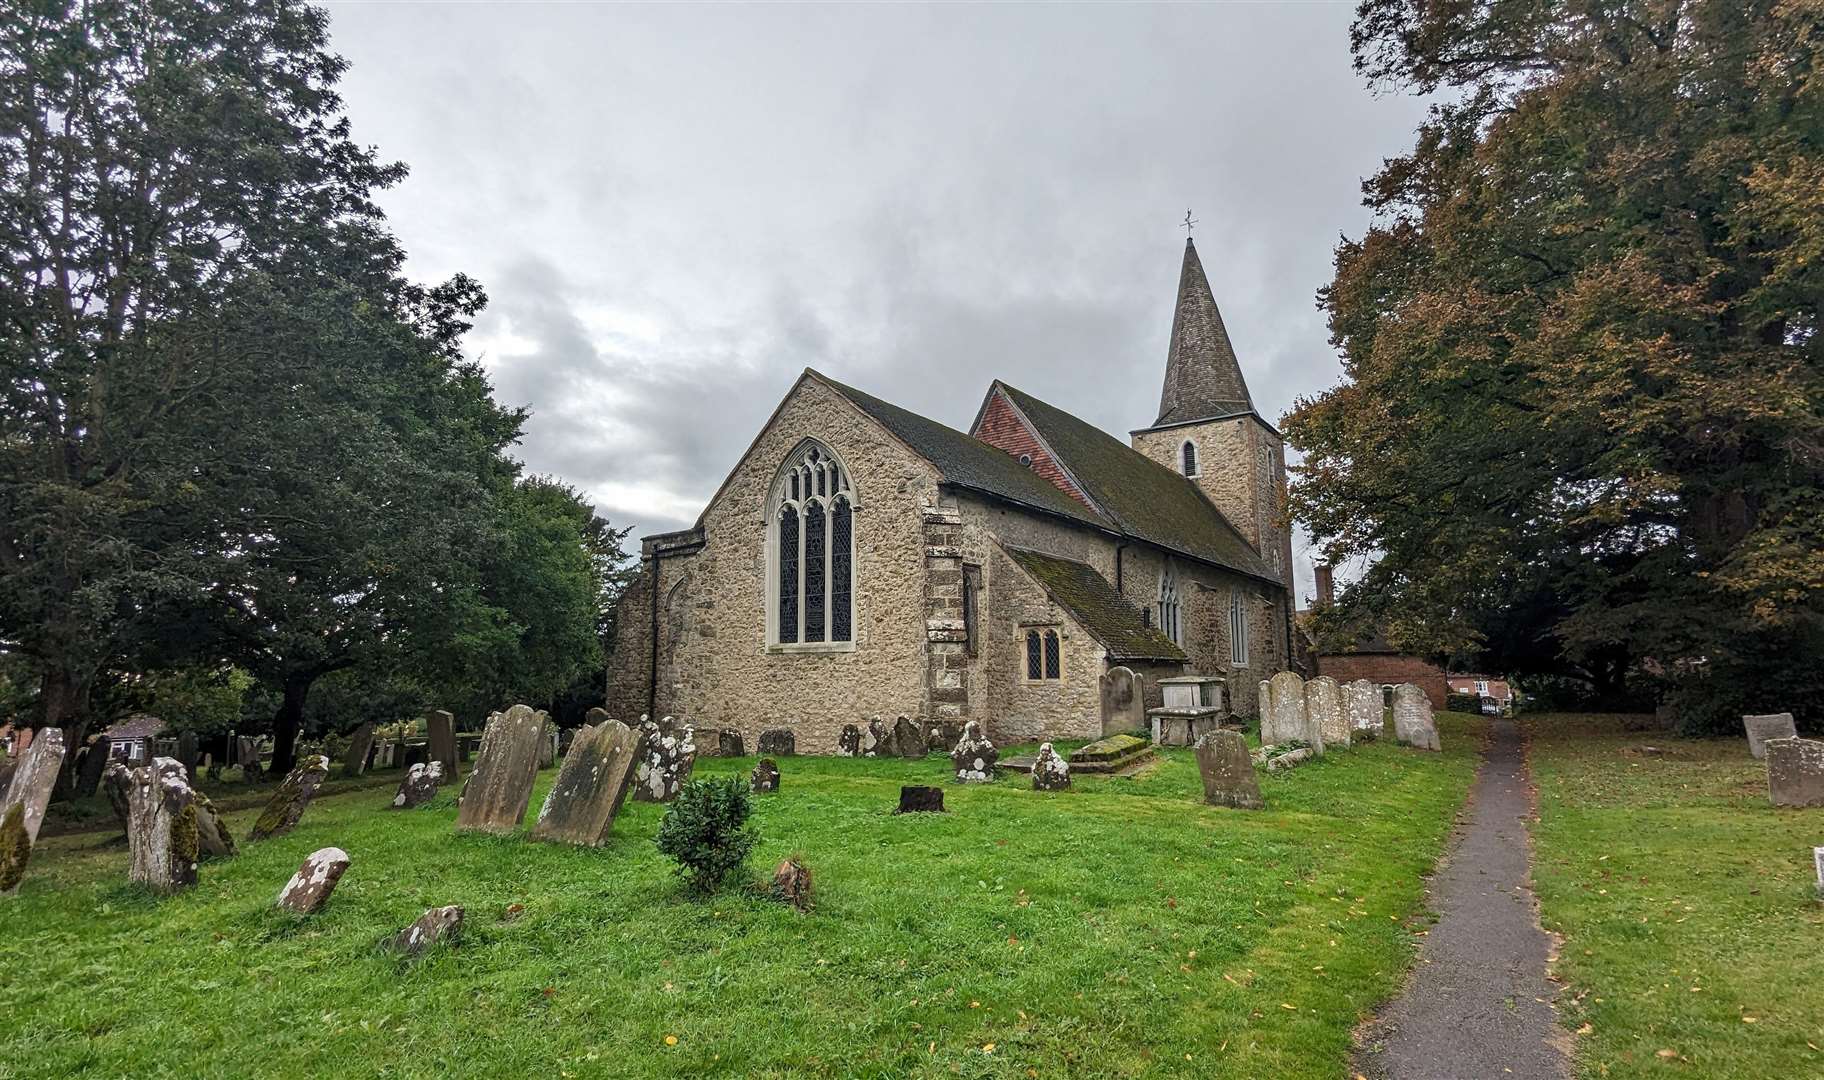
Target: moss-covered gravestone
<point>291,798</point>
<point>591,785</point>
<point>765,776</point>
<point>360,741</point>
<point>212,836</point>
<point>495,798</point>
<point>778,742</point>
<point>161,832</point>
<point>1228,771</point>
<point>667,757</point>
<point>1049,771</point>
<point>908,740</point>
<point>22,804</point>
<point>848,744</point>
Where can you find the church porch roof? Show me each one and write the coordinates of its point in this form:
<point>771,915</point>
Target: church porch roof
<point>1094,604</point>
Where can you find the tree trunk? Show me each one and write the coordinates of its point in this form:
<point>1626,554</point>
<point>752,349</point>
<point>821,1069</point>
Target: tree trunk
<point>66,705</point>
<point>287,722</point>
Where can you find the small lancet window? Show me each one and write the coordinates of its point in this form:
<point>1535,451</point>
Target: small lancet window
<point>1189,452</point>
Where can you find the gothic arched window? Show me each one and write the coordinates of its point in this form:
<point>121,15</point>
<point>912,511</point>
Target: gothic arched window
<point>811,551</point>
<point>1043,657</point>
<point>1238,628</point>
<point>1189,453</point>
<point>1169,612</point>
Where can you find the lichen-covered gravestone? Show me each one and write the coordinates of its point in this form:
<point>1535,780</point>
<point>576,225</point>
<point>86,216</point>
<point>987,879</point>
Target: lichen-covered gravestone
<point>360,741</point>
<point>1795,772</point>
<point>666,760</point>
<point>778,742</point>
<point>1765,727</point>
<point>117,783</point>
<point>848,744</point>
<point>1324,704</point>
<point>1050,772</point>
<point>908,740</point>
<point>1362,701</point>
<point>974,756</point>
<point>419,785</point>
<point>875,741</point>
<point>1285,719</point>
<point>33,780</point>
<point>1412,721</point>
<point>765,776</point>
<point>500,787</point>
<point>1228,771</point>
<point>290,798</point>
<point>729,744</point>
<point>161,836</point>
<point>440,736</point>
<point>212,836</point>
<point>437,924</point>
<point>591,786</point>
<point>309,888</point>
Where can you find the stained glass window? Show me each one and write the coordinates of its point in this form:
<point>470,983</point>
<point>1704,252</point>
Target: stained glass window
<point>1034,656</point>
<point>815,571</point>
<point>813,549</point>
<point>841,556</point>
<point>788,574</point>
<point>1051,654</point>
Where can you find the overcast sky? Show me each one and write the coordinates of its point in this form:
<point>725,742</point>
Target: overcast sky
<point>676,209</point>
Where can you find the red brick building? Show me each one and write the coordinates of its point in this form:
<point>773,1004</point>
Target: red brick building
<point>1375,659</point>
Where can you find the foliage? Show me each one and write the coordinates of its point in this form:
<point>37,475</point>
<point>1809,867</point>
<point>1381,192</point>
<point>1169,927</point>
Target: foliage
<point>1463,703</point>
<point>1581,428</point>
<point>208,701</point>
<point>705,831</point>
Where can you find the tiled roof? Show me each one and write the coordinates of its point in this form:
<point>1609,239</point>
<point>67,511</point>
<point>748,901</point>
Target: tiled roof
<point>136,726</point>
<point>1202,376</point>
<point>1108,616</point>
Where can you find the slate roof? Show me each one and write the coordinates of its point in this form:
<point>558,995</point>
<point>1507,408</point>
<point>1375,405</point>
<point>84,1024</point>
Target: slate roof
<point>136,726</point>
<point>1145,499</point>
<point>1108,616</point>
<point>1202,377</point>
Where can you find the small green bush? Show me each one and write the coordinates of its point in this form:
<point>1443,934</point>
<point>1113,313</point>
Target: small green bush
<point>1463,703</point>
<point>705,831</point>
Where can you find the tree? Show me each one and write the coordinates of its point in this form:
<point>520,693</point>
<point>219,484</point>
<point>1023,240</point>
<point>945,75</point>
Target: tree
<point>1581,347</point>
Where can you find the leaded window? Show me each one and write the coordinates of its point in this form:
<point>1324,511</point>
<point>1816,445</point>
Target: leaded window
<point>811,550</point>
<point>1051,654</point>
<point>842,558</point>
<point>815,568</point>
<point>1169,612</point>
<point>1190,458</point>
<point>1035,656</point>
<point>788,574</point>
<point>1238,628</point>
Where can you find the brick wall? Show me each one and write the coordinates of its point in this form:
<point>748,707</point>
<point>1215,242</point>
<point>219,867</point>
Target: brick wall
<point>1386,668</point>
<point>1002,427</point>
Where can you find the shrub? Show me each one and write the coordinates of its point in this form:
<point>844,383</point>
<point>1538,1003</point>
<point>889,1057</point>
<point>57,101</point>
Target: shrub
<point>1463,703</point>
<point>705,831</point>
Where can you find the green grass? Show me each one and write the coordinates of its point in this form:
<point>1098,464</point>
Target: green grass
<point>1123,929</point>
<point>1686,902</point>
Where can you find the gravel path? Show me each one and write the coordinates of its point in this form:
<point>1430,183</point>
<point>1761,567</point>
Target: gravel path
<point>1477,1004</point>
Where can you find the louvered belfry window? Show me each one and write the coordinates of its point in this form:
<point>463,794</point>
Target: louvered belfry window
<point>811,549</point>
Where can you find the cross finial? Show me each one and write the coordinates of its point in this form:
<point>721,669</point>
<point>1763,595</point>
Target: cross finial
<point>1188,222</point>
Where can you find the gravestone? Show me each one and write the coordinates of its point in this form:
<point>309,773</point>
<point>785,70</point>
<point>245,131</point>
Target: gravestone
<point>1795,772</point>
<point>1362,702</point>
<point>290,798</point>
<point>500,787</point>
<point>1817,859</point>
<point>1287,720</point>
<point>186,755</point>
<point>1228,771</point>
<point>117,784</point>
<point>90,777</point>
<point>247,756</point>
<point>848,744</point>
<point>792,884</point>
<point>1768,726</point>
<point>778,742</point>
<point>729,743</point>
<point>360,741</point>
<point>765,776</point>
<point>309,888</point>
<point>941,735</point>
<point>908,741</point>
<point>419,785</point>
<point>1050,772</point>
<point>666,760</point>
<point>161,830</point>
<point>1412,721</point>
<point>1324,705</point>
<point>592,785</point>
<point>875,740</point>
<point>547,745</point>
<point>33,780</point>
<point>1123,695</point>
<point>440,735</point>
<point>974,756</point>
<point>436,924</point>
<point>918,799</point>
<point>212,836</point>
<point>15,849</point>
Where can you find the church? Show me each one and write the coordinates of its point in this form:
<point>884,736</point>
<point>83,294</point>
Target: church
<point>864,560</point>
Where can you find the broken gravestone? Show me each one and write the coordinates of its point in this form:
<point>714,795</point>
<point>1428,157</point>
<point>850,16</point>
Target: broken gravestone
<point>309,888</point>
<point>1362,702</point>
<point>778,742</point>
<point>117,783</point>
<point>974,756</point>
<point>792,884</point>
<point>877,741</point>
<point>848,744</point>
<point>908,740</point>
<point>1412,721</point>
<point>495,798</point>
<point>1765,727</point>
<point>591,785</point>
<point>437,924</point>
<point>918,799</point>
<point>1324,709</point>
<point>360,741</point>
<point>419,785</point>
<point>161,834</point>
<point>1050,772</point>
<point>1795,772</point>
<point>765,776</point>
<point>440,736</point>
<point>1228,771</point>
<point>666,760</point>
<point>290,798</point>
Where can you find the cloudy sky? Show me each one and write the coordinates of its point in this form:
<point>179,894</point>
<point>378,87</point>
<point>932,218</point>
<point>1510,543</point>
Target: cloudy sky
<point>676,209</point>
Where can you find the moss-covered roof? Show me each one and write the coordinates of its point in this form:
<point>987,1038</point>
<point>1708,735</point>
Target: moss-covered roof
<point>1095,605</point>
<point>1145,499</point>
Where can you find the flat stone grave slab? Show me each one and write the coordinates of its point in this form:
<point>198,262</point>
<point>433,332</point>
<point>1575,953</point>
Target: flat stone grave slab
<point>1111,754</point>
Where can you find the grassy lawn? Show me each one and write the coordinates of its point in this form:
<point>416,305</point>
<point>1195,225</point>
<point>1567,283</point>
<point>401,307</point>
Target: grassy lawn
<point>1694,940</point>
<point>1123,929</point>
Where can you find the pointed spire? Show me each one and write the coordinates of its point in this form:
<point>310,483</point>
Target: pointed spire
<point>1202,376</point>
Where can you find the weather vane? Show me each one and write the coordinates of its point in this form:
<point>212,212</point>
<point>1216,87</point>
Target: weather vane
<point>1188,222</point>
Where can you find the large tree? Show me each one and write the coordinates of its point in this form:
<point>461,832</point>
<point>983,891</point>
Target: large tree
<point>1581,425</point>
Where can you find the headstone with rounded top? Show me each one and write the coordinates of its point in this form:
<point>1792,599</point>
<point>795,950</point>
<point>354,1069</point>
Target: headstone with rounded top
<point>1287,719</point>
<point>1362,703</point>
<point>592,785</point>
<point>1050,772</point>
<point>1227,771</point>
<point>1122,696</point>
<point>765,776</point>
<point>498,790</point>
<point>161,834</point>
<point>778,742</point>
<point>419,785</point>
<point>309,888</point>
<point>730,743</point>
<point>1324,704</point>
<point>974,755</point>
<point>1767,726</point>
<point>667,756</point>
<point>290,798</point>
<point>1412,720</point>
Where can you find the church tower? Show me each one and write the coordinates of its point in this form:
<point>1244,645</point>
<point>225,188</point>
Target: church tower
<point>1208,430</point>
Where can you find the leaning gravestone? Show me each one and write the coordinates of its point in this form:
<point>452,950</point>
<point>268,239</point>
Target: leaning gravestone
<point>591,786</point>
<point>495,798</point>
<point>1795,772</point>
<point>1362,703</point>
<point>777,742</point>
<point>876,741</point>
<point>433,926</point>
<point>765,776</point>
<point>1123,701</point>
<point>908,741</point>
<point>117,782</point>
<point>1228,771</point>
<point>1049,771</point>
<point>666,760</point>
<point>848,744</point>
<point>187,755</point>
<point>974,756</point>
<point>90,777</point>
<point>440,732</point>
<point>247,756</point>
<point>547,745</point>
<point>1412,721</point>
<point>290,798</point>
<point>33,780</point>
<point>1324,706</point>
<point>309,888</point>
<point>212,836</point>
<point>1286,719</point>
<point>360,741</point>
<point>419,785</point>
<point>729,743</point>
<point>161,835</point>
<point>15,849</point>
<point>1765,727</point>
